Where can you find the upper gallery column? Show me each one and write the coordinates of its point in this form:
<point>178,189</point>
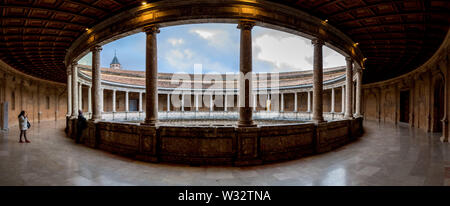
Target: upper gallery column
<point>349,88</point>
<point>245,74</point>
<point>358,92</point>
<point>74,89</point>
<point>69,90</point>
<point>151,76</point>
<point>317,115</point>
<point>97,97</point>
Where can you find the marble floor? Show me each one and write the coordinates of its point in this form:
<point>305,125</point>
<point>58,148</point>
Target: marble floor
<point>385,155</point>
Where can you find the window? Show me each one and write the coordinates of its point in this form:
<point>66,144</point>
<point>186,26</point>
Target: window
<point>48,102</point>
<point>13,100</point>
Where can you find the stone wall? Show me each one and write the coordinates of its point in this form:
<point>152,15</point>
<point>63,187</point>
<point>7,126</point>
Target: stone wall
<point>426,108</point>
<point>224,145</point>
<point>42,100</point>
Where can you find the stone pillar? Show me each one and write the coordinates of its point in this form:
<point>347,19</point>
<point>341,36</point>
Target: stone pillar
<point>80,96</point>
<point>211,103</point>
<point>245,77</point>
<point>445,120</point>
<point>332,100</point>
<point>182,102</point>
<point>69,91</point>
<point>196,102</point>
<point>102,97</point>
<point>295,102</point>
<point>74,90</point>
<point>317,115</point>
<point>254,102</point>
<point>349,88</point>
<point>89,99</point>
<point>97,96</point>
<point>140,101</point>
<point>358,92</point>
<point>282,102</point>
<point>343,100</point>
<point>309,101</point>
<point>127,109</point>
<point>168,102</point>
<point>114,100</point>
<point>151,76</point>
<point>225,103</point>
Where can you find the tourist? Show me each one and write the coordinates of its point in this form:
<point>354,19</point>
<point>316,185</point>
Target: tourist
<point>81,125</point>
<point>23,125</point>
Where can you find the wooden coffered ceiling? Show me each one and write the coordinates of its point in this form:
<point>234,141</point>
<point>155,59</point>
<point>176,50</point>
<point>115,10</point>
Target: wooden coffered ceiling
<point>395,36</point>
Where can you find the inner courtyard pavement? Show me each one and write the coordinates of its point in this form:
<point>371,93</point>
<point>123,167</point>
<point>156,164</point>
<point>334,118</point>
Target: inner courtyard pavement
<point>384,155</point>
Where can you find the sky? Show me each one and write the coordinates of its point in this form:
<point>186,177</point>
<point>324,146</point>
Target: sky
<point>216,47</point>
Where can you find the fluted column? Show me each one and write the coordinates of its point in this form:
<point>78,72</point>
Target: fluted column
<point>113,100</point>
<point>97,97</point>
<point>151,76</point>
<point>74,89</point>
<point>69,90</point>
<point>358,92</point>
<point>245,77</point>
<point>332,100</point>
<point>317,115</point>
<point>349,88</point>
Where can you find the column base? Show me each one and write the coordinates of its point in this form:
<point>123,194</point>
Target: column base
<point>246,123</point>
<point>149,122</point>
<point>317,121</point>
<point>445,131</point>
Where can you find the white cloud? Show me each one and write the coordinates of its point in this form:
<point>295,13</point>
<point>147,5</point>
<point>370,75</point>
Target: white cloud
<point>184,60</point>
<point>217,38</point>
<point>175,41</point>
<point>204,33</point>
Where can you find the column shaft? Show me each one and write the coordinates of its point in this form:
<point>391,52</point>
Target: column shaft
<point>69,91</point>
<point>349,88</point>
<point>74,89</point>
<point>168,102</point>
<point>211,103</point>
<point>295,102</point>
<point>282,102</point>
<point>80,96</point>
<point>140,101</point>
<point>358,92</point>
<point>343,100</point>
<point>151,76</point>
<point>97,97</point>
<point>182,102</point>
<point>89,99</point>
<point>127,109</point>
<point>245,75</point>
<point>317,115</point>
<point>196,102</point>
<point>309,101</point>
<point>114,100</point>
<point>225,103</point>
<point>332,100</point>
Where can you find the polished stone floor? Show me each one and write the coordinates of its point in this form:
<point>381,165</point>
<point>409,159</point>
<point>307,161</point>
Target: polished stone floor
<point>385,155</point>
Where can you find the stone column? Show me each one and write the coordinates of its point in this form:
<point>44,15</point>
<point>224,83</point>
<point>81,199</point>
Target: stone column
<point>168,102</point>
<point>140,101</point>
<point>151,76</point>
<point>245,77</point>
<point>317,115</point>
<point>89,99</point>
<point>225,103</point>
<point>309,101</point>
<point>69,91</point>
<point>295,102</point>
<point>182,102</point>
<point>349,88</point>
<point>254,102</point>
<point>282,102</point>
<point>127,109</point>
<point>445,120</point>
<point>211,103</point>
<point>97,96</point>
<point>114,100</point>
<point>196,102</point>
<point>358,92</point>
<point>332,100</point>
<point>74,90</point>
<point>80,96</point>
<point>343,100</point>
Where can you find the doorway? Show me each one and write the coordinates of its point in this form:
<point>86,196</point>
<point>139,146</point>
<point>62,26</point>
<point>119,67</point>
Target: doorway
<point>404,106</point>
<point>438,105</point>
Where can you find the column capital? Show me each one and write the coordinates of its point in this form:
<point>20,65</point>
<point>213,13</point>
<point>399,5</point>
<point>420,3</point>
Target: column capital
<point>96,48</point>
<point>317,42</point>
<point>74,64</point>
<point>151,29</point>
<point>246,24</point>
<point>69,70</point>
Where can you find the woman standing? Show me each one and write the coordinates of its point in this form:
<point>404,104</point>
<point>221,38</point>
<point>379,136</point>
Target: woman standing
<point>23,125</point>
